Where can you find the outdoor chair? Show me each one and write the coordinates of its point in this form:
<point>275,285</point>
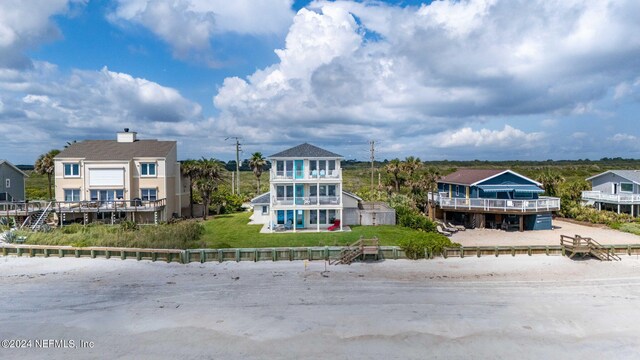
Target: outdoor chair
<point>335,226</point>
<point>442,231</point>
<point>288,225</point>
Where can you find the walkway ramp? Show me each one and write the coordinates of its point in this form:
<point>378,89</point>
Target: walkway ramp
<point>360,248</point>
<point>584,246</point>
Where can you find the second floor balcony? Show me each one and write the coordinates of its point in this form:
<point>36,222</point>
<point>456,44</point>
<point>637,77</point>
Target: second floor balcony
<point>620,198</point>
<point>334,174</point>
<point>309,201</point>
<point>541,204</point>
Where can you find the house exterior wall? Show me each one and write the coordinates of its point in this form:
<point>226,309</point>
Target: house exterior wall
<point>604,183</point>
<point>307,179</point>
<point>165,181</point>
<point>16,179</point>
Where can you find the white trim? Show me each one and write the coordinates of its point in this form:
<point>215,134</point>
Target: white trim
<point>504,172</point>
<point>629,183</point>
<point>13,166</point>
<point>7,183</point>
<point>611,172</point>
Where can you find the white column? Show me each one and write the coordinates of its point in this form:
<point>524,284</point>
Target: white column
<point>318,219</point>
<point>632,206</point>
<point>618,208</point>
<point>295,215</point>
<point>340,219</point>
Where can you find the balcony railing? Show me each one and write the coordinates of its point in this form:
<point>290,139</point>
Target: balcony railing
<point>611,198</point>
<point>305,175</point>
<point>531,205</point>
<point>309,200</point>
<point>109,205</point>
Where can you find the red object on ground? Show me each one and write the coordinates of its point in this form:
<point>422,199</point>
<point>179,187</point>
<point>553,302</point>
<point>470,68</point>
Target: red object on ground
<point>335,226</point>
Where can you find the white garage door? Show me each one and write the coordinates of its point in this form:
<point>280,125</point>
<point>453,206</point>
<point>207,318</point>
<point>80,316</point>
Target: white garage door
<point>106,177</point>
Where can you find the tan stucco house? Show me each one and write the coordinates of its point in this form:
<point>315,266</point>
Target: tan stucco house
<point>126,178</point>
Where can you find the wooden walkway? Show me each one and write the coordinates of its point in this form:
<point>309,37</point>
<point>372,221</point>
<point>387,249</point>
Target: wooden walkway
<point>584,246</point>
<point>360,248</point>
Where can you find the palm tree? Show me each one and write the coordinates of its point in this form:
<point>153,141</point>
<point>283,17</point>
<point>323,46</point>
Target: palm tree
<point>45,165</point>
<point>189,169</point>
<point>208,175</point>
<point>550,182</point>
<point>257,163</point>
<point>394,167</point>
<point>411,165</point>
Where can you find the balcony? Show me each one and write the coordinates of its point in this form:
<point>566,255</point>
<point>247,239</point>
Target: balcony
<point>306,175</point>
<point>109,206</point>
<point>624,198</point>
<point>306,201</point>
<point>542,204</point>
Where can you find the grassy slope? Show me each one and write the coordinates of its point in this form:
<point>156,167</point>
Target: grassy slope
<point>232,231</point>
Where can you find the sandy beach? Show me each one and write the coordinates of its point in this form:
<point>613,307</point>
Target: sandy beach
<point>489,237</point>
<point>525,307</point>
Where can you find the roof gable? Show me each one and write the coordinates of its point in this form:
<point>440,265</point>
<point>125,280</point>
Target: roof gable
<point>631,175</point>
<point>507,177</point>
<point>114,150</point>
<point>13,167</point>
<point>305,150</point>
<point>472,177</point>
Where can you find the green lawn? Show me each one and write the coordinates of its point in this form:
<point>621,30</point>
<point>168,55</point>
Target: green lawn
<point>231,231</point>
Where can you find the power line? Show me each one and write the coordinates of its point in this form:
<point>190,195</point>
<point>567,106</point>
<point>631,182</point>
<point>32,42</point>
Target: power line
<point>237,179</point>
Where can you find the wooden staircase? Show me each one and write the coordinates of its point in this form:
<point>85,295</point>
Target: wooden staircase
<point>584,246</point>
<point>362,247</point>
<point>36,221</point>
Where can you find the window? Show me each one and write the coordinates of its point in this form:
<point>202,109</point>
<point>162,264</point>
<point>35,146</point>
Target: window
<point>148,169</point>
<point>265,209</point>
<point>332,190</point>
<point>626,187</point>
<point>332,216</point>
<point>7,183</point>
<point>323,216</point>
<point>313,217</point>
<point>71,170</point>
<point>71,194</point>
<point>149,194</point>
<point>106,195</point>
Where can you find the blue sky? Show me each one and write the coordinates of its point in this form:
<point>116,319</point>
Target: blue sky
<point>476,79</point>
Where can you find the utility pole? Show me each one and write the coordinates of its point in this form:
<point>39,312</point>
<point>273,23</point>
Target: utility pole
<point>236,184</point>
<point>238,165</point>
<point>373,150</point>
<point>233,183</point>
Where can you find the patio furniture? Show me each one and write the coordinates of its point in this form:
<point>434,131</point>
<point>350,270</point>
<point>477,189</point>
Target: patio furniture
<point>288,225</point>
<point>335,226</point>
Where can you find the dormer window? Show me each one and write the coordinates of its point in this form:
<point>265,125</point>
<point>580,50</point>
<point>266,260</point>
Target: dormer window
<point>71,170</point>
<point>148,169</point>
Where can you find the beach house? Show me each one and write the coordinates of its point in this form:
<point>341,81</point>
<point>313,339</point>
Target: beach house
<point>615,190</point>
<point>496,199</point>
<point>305,190</point>
<point>12,182</point>
<point>122,179</point>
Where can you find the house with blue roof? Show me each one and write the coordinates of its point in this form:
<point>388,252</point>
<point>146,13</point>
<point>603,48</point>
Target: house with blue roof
<point>615,190</point>
<point>497,199</point>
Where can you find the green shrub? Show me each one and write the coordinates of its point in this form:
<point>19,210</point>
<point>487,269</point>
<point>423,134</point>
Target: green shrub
<point>413,219</point>
<point>72,229</point>
<point>414,247</point>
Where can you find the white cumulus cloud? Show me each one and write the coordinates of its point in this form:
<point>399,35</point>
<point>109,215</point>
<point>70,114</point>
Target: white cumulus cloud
<point>189,25</point>
<point>508,137</point>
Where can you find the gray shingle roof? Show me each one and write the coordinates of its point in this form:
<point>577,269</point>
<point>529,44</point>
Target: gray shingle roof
<point>113,150</point>
<point>261,199</point>
<point>306,150</point>
<point>469,176</point>
<point>632,175</point>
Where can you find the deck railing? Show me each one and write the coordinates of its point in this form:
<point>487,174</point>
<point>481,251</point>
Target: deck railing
<point>109,205</point>
<point>611,198</point>
<point>520,205</point>
<point>305,175</point>
<point>309,200</point>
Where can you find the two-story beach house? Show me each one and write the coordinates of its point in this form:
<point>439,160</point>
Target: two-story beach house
<point>305,189</point>
<point>615,190</point>
<point>126,178</point>
<point>12,182</point>
<point>498,199</point>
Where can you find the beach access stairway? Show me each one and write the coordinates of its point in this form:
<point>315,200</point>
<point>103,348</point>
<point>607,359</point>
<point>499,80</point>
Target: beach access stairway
<point>37,220</point>
<point>362,247</point>
<point>584,246</point>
